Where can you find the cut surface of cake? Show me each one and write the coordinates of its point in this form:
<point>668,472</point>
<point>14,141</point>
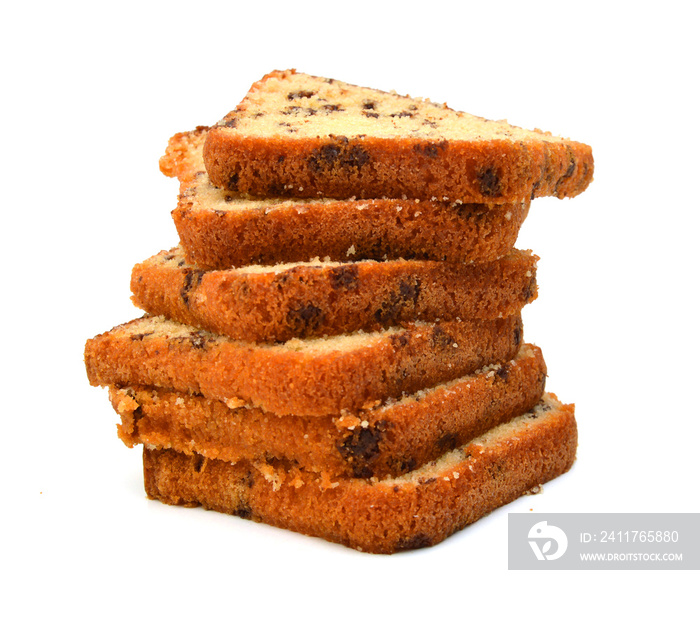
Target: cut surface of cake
<point>417,509</point>
<point>316,376</point>
<point>390,439</point>
<point>219,228</point>
<point>300,135</point>
<point>313,299</point>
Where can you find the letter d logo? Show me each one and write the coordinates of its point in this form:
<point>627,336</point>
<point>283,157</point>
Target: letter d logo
<point>546,534</point>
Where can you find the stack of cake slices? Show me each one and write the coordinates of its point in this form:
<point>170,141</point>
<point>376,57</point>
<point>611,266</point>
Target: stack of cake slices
<point>336,345</point>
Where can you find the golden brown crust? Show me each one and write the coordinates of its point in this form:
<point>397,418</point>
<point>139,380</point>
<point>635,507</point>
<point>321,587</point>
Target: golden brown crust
<point>345,231</point>
<point>183,155</point>
<point>313,377</point>
<point>219,229</point>
<point>280,303</point>
<point>490,172</point>
<point>388,440</point>
<point>333,150</point>
<point>416,510</point>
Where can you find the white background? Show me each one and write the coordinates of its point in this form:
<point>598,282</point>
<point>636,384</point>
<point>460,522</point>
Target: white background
<point>93,91</point>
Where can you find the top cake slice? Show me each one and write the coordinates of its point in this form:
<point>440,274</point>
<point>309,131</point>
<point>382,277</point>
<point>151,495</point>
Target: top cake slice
<point>305,136</point>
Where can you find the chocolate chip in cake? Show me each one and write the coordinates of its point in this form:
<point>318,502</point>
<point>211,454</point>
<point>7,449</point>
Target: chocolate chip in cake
<point>198,339</point>
<point>417,541</point>
<point>339,153</point>
<point>300,94</point>
<point>441,339</point>
<point>361,446</point>
<point>345,277</point>
<point>193,277</point>
<point>503,372</point>
<point>446,442</point>
<point>518,334</point>
<point>489,182</point>
<point>530,289</point>
<point>305,318</point>
<point>407,465</point>
<point>243,511</point>
<point>569,171</point>
<point>400,340</point>
<point>431,149</point>
<point>409,290</point>
<point>197,462</point>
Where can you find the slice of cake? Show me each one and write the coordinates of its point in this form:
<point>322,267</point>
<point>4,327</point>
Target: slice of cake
<point>390,439</point>
<point>300,135</point>
<point>220,229</point>
<point>318,376</point>
<point>414,510</point>
<point>313,299</point>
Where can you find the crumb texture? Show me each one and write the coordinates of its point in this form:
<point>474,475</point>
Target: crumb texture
<point>317,376</point>
<point>418,509</point>
<point>388,439</point>
<point>284,301</point>
<point>298,134</point>
<point>219,228</point>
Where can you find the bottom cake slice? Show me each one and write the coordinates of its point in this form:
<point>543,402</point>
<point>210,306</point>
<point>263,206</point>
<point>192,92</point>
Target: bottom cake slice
<point>418,509</point>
